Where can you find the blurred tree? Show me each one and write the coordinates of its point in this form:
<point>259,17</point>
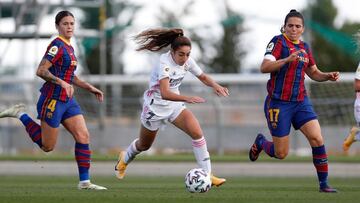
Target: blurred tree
<point>230,52</point>
<point>114,10</point>
<point>222,55</point>
<point>333,48</point>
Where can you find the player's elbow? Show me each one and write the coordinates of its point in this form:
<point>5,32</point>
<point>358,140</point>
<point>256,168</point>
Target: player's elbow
<point>40,72</point>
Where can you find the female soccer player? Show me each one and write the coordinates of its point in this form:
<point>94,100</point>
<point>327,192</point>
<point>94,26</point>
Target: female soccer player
<point>163,101</point>
<point>57,104</point>
<point>287,59</point>
<point>354,134</point>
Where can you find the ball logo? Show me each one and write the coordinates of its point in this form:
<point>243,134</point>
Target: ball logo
<point>167,69</point>
<point>53,51</point>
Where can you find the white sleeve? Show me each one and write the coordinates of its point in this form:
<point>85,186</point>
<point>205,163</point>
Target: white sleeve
<point>193,67</point>
<point>270,57</point>
<point>164,71</point>
<point>357,74</point>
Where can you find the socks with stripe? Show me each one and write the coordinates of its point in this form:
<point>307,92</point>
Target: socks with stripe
<point>321,164</point>
<point>268,148</point>
<point>83,158</point>
<point>201,153</point>
<point>131,152</point>
<point>32,128</point>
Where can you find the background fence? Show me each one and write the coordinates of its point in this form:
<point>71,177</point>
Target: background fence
<point>230,124</point>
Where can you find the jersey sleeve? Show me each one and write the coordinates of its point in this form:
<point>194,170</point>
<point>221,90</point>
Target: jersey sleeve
<point>357,74</point>
<point>194,67</point>
<point>163,70</point>
<point>273,49</point>
<point>53,52</point>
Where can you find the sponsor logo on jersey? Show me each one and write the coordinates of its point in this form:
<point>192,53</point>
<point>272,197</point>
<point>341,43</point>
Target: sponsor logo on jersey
<point>174,82</point>
<point>53,51</point>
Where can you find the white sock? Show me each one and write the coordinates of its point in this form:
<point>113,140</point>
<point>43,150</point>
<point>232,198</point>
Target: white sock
<point>357,136</point>
<point>201,153</point>
<point>84,181</point>
<point>20,114</point>
<point>131,152</point>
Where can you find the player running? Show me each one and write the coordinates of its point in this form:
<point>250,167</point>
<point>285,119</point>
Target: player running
<point>288,59</point>
<point>57,104</point>
<point>163,101</point>
<point>354,134</point>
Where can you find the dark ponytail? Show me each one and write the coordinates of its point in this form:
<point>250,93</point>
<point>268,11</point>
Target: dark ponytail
<point>292,13</point>
<point>156,39</point>
<point>61,15</point>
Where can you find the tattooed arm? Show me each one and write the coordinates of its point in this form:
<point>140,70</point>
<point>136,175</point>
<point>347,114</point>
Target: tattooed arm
<point>44,73</point>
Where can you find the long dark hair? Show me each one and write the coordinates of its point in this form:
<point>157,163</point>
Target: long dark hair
<point>61,15</point>
<point>292,13</point>
<point>156,39</point>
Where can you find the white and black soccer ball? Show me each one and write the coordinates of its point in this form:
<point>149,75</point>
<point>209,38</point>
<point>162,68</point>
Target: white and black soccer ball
<point>197,180</point>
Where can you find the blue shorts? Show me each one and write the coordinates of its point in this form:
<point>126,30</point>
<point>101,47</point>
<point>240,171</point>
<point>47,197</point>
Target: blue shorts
<point>53,111</point>
<point>281,114</point>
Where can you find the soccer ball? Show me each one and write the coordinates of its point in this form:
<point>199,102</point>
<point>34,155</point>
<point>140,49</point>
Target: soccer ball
<point>197,180</point>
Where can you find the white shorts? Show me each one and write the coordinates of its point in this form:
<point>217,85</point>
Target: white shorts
<point>357,108</point>
<point>154,115</point>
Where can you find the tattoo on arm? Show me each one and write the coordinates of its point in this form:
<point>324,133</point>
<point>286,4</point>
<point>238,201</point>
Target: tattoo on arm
<point>49,77</point>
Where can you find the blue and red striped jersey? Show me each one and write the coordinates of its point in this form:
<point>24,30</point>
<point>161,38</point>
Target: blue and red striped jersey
<point>287,84</point>
<point>61,54</point>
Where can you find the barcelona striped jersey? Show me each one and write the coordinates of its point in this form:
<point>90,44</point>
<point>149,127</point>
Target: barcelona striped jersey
<point>61,54</point>
<point>287,84</point>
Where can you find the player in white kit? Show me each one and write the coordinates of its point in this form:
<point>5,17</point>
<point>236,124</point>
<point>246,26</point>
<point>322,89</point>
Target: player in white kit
<point>163,101</point>
<point>354,134</point>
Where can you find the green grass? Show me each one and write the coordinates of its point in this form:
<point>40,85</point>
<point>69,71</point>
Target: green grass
<point>174,157</point>
<point>171,189</point>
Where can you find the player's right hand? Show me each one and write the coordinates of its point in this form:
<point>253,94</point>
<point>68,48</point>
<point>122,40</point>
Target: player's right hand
<point>69,89</point>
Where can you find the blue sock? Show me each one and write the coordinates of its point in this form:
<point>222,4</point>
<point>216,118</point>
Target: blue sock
<point>83,158</point>
<point>268,148</point>
<point>321,164</point>
<point>32,128</point>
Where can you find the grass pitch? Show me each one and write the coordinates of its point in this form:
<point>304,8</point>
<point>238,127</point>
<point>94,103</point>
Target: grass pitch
<point>56,189</point>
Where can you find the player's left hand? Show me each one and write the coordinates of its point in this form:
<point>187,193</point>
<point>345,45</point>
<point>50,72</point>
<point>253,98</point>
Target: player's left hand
<point>98,93</point>
<point>221,91</point>
<point>333,76</point>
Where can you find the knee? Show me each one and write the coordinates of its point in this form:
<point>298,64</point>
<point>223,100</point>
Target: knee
<point>47,148</point>
<point>281,154</point>
<point>316,141</point>
<point>83,137</point>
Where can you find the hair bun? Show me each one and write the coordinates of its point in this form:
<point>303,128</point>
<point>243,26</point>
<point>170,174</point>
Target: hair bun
<point>293,10</point>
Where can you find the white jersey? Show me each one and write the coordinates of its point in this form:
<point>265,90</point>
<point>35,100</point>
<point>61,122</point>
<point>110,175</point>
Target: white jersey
<point>167,68</point>
<point>357,74</point>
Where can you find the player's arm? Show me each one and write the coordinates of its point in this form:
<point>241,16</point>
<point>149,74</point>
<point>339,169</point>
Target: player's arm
<point>87,86</point>
<point>44,73</point>
<point>218,89</point>
<point>315,74</point>
<point>357,85</point>
<point>270,64</point>
<point>169,95</point>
